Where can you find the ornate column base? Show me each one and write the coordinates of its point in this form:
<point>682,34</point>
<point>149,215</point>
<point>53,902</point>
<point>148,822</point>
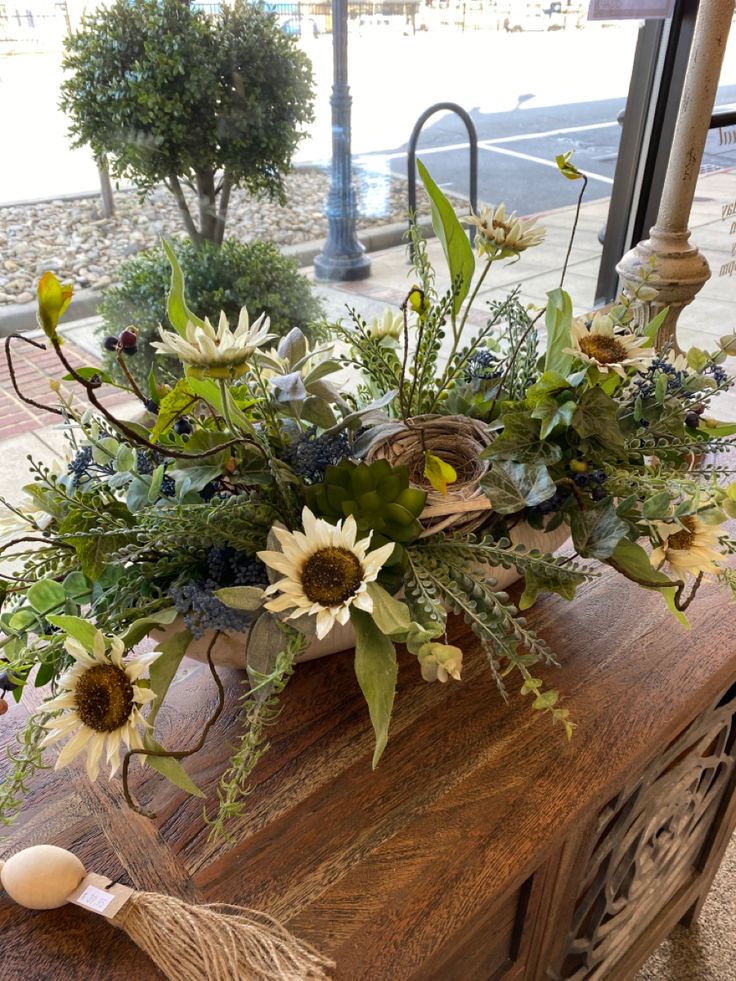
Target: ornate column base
<point>680,272</point>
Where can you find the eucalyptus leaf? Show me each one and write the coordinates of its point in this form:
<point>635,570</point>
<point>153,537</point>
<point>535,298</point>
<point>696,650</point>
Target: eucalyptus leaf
<point>246,598</point>
<point>45,596</point>
<point>145,625</point>
<point>76,627</point>
<point>390,615</point>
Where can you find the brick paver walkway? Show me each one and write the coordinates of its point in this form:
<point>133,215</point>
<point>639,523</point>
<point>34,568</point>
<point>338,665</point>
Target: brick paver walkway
<point>33,371</point>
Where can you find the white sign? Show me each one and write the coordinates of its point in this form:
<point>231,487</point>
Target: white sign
<point>95,899</point>
<point>630,9</point>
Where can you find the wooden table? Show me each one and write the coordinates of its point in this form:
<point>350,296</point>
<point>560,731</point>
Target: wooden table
<point>484,846</point>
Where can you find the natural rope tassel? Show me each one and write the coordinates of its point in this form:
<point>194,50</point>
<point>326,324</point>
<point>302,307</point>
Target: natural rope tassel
<point>188,943</point>
<point>217,942</point>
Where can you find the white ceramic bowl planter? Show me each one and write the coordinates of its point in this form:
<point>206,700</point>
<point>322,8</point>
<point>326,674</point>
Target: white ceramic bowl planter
<point>229,650</point>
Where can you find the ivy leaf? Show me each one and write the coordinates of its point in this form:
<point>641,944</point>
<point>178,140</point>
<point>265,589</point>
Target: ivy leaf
<point>521,442</point>
<point>511,487</point>
<point>376,670</point>
<point>145,625</point>
<point>597,531</point>
<point>177,310</point>
<point>451,234</point>
<point>596,417</point>
<point>558,318</point>
<point>561,583</point>
<point>173,405</point>
<point>438,473</point>
<point>551,413</point>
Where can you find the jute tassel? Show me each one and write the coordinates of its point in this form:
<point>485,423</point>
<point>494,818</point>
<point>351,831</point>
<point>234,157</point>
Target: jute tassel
<point>188,943</point>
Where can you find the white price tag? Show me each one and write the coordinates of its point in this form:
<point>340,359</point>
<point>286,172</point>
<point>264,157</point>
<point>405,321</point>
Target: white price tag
<point>95,899</point>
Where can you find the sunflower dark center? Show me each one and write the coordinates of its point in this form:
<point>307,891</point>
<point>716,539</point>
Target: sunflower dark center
<point>331,576</point>
<point>605,350</point>
<point>104,698</point>
<point>682,540</point>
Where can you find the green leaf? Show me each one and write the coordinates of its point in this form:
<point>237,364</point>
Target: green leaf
<point>77,587</point>
<point>510,487</point>
<point>630,559</point>
<point>173,405</point>
<point>124,458</point>
<point>652,328</point>
<point>143,627</point>
<point>76,627</point>
<point>390,615</point>
<point>438,473</point>
<point>558,318</point>
<point>453,238</point>
<point>246,598</point>
<point>376,670</point>
<point>597,417</point>
<point>551,413</point>
<point>163,669</point>
<point>171,768</point>
<point>46,595</point>
<point>534,584</point>
<point>521,442</point>
<point>657,508</point>
<point>597,531</point>
<point>176,305</point>
<point>22,619</point>
<point>90,372</point>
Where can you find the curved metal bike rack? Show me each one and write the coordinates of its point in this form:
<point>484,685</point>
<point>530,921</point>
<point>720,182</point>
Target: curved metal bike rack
<point>412,155</point>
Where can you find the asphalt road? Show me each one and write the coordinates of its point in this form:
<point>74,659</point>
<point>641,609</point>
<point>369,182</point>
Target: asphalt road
<point>517,150</point>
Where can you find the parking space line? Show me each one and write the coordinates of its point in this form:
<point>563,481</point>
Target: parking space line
<point>549,132</point>
<point>539,160</point>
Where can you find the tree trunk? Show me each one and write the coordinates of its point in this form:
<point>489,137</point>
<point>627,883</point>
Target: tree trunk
<point>208,219</point>
<point>176,189</point>
<point>225,189</point>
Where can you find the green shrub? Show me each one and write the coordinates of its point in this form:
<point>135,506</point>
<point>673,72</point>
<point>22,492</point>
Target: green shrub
<point>255,275</point>
<point>175,96</point>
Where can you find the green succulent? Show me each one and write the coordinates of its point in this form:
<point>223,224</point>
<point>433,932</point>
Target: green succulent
<point>376,494</point>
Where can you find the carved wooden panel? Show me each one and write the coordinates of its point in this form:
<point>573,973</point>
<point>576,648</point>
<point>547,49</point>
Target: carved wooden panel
<point>649,842</point>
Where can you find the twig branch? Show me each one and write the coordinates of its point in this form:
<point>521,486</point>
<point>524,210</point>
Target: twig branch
<point>574,229</point>
<point>14,381</point>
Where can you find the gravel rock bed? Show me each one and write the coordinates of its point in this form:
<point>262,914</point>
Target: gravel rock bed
<point>72,239</point>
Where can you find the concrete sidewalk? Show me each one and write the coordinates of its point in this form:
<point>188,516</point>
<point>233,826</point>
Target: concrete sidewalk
<point>24,430</point>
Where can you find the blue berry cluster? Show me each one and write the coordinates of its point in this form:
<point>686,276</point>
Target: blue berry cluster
<point>483,365</point>
<point>310,456</point>
<point>719,374</point>
<point>202,611</point>
<point>227,566</point>
<point>81,464</point>
<point>645,384</point>
<point>555,502</point>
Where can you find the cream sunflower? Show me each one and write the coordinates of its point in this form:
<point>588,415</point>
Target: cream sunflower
<point>100,704</point>
<point>222,353</point>
<point>326,571</point>
<point>390,325</point>
<point>600,346</point>
<point>687,546</point>
<point>501,236</point>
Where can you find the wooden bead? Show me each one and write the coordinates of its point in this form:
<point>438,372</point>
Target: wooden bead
<point>3,706</point>
<point>42,876</point>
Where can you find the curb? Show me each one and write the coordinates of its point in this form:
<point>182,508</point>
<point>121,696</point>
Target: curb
<point>21,317</point>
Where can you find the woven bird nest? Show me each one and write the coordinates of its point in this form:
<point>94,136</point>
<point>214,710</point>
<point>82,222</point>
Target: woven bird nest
<point>459,441</point>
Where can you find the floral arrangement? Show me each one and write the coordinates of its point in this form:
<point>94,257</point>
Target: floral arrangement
<point>391,475</point>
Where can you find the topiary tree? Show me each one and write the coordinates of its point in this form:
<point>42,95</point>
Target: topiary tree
<point>227,277</point>
<point>174,96</point>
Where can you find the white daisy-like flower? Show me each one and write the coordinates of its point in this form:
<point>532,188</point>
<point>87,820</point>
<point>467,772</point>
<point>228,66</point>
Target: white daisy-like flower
<point>600,346</point>
<point>222,353</point>
<point>688,546</point>
<point>100,704</point>
<point>501,236</point>
<point>390,325</point>
<point>326,571</point>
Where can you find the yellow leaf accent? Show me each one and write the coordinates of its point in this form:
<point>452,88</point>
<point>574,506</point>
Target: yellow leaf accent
<point>567,168</point>
<point>438,473</point>
<point>53,299</point>
<point>418,302</point>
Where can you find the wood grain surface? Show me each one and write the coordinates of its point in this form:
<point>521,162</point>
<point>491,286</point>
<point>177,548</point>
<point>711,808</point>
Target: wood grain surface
<point>423,864</point>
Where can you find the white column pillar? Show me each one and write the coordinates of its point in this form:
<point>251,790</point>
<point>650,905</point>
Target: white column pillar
<point>681,270</point>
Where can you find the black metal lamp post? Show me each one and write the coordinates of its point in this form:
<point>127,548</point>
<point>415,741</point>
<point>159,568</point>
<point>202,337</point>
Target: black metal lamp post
<point>343,257</point>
